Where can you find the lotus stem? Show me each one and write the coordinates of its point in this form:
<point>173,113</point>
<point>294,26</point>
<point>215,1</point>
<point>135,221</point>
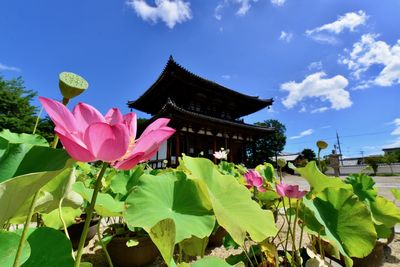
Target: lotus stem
<point>25,231</point>
<point>37,120</point>
<point>294,230</point>
<point>103,246</point>
<point>289,220</point>
<point>62,218</point>
<point>254,254</point>
<point>301,232</point>
<point>247,255</point>
<point>89,214</point>
<point>319,159</point>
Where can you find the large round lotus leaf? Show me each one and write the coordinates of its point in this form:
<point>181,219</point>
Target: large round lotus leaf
<point>384,212</point>
<point>346,221</point>
<point>19,154</point>
<point>317,180</point>
<point>231,202</point>
<point>71,84</point>
<point>171,196</point>
<point>215,262</point>
<point>49,248</point>
<point>21,159</point>
<point>60,187</point>
<point>8,249</point>
<point>363,186</point>
<point>105,206</point>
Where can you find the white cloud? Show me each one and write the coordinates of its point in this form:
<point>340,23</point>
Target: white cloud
<point>326,127</point>
<point>278,2</point>
<point>369,52</point>
<point>316,65</point>
<point>286,36</point>
<point>4,67</point>
<point>315,85</point>
<point>170,12</point>
<point>319,110</point>
<point>303,109</point>
<point>244,7</point>
<point>226,76</point>
<point>396,131</point>
<point>302,134</point>
<point>324,38</point>
<point>349,21</point>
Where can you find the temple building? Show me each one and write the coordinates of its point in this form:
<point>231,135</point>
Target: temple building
<point>207,116</point>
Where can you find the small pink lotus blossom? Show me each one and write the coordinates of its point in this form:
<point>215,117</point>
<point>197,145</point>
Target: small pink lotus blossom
<point>290,191</point>
<point>253,178</point>
<point>89,136</point>
<point>223,154</point>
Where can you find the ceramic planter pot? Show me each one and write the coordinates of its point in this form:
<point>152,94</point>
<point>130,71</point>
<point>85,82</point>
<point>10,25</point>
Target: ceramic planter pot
<point>216,239</point>
<point>75,231</point>
<point>142,254</point>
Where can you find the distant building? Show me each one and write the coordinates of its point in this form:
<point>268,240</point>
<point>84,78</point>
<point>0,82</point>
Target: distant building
<point>290,157</point>
<point>391,150</point>
<point>206,115</point>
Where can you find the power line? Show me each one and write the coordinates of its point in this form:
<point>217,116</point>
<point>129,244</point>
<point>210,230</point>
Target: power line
<point>345,136</point>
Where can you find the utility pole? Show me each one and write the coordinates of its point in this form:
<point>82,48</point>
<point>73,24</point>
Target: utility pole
<point>362,156</point>
<point>340,149</point>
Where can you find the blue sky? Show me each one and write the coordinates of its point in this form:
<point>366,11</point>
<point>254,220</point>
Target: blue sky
<point>330,65</point>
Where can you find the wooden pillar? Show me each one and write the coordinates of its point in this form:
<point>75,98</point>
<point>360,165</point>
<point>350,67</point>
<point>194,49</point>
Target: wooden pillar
<point>177,146</point>
<point>214,145</point>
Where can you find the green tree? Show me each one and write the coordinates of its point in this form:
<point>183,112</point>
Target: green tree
<point>308,154</point>
<point>16,112</point>
<point>389,159</point>
<point>268,147</point>
<point>373,161</point>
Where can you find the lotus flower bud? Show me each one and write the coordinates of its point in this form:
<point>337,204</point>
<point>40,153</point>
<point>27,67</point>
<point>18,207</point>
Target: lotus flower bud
<point>71,85</point>
<point>281,163</point>
<point>322,144</point>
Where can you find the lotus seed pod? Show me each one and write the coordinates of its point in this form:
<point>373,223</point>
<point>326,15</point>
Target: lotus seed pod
<point>322,144</point>
<point>281,163</point>
<point>71,84</point>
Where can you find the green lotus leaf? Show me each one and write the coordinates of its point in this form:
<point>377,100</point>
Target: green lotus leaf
<point>170,196</point>
<point>363,186</point>
<point>214,262</point>
<point>267,171</point>
<point>231,202</point>
<point>396,193</point>
<point>50,195</point>
<point>163,236</point>
<point>15,192</point>
<point>123,182</point>
<point>18,158</point>
<point>194,246</point>
<point>346,222</point>
<point>23,138</point>
<point>105,205</point>
<point>8,249</point>
<point>53,220</point>
<point>384,212</point>
<point>317,180</point>
<point>49,248</point>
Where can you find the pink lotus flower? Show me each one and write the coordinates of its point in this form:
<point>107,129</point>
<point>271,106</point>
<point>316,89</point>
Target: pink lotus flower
<point>253,178</point>
<point>290,191</point>
<point>89,136</point>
